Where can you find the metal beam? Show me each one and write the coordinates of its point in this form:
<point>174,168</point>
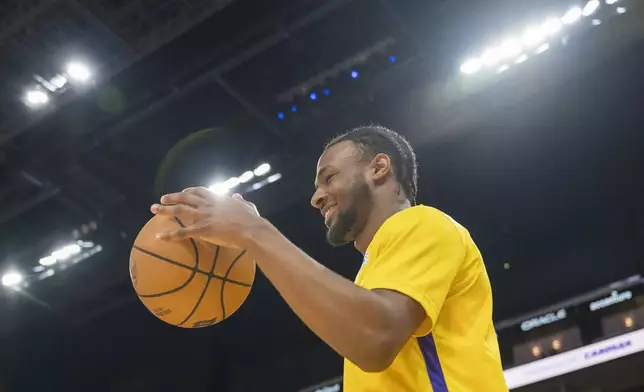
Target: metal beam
<point>18,209</point>
<point>98,23</point>
<point>255,112</point>
<point>216,72</point>
<point>19,21</point>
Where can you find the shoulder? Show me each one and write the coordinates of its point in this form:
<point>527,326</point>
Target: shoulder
<point>418,223</point>
<point>422,218</point>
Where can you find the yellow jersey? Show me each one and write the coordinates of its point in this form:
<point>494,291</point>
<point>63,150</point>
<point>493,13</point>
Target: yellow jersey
<point>424,254</point>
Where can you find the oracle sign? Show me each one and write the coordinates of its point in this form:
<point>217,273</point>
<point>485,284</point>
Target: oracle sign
<point>547,318</point>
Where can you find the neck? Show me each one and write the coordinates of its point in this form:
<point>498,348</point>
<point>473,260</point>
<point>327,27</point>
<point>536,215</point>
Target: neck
<point>378,216</point>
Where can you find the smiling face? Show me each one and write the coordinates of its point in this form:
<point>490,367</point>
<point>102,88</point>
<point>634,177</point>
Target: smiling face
<point>343,194</point>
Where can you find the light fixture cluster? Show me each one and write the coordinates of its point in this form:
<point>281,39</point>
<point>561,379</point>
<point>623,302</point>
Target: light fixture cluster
<point>254,176</point>
<point>39,94</point>
<point>59,259</point>
<point>321,91</point>
<point>534,40</point>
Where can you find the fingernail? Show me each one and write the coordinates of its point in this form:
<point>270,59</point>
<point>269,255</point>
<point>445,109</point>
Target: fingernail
<point>163,199</point>
<point>154,208</point>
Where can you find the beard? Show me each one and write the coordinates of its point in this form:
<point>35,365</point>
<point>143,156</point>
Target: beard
<point>347,223</point>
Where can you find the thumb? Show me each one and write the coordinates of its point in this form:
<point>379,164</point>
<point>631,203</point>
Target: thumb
<point>237,196</point>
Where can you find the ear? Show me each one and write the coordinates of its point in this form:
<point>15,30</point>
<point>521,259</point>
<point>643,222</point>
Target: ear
<point>380,167</point>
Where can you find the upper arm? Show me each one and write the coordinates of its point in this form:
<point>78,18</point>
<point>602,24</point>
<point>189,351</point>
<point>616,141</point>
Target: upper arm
<point>417,262</point>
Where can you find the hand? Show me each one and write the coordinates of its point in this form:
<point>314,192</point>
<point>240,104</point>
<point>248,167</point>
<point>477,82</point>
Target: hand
<point>222,220</point>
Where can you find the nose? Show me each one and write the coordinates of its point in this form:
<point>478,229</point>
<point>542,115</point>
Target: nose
<point>318,198</point>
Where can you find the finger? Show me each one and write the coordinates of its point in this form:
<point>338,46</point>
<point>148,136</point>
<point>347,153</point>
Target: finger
<point>180,211</point>
<point>200,191</point>
<point>186,198</point>
<point>237,196</point>
<point>179,234</point>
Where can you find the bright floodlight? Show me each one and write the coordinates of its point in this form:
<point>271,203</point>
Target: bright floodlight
<point>274,177</point>
<point>590,7</point>
<point>219,188</point>
<point>596,22</point>
<point>572,16</point>
<point>490,56</point>
<point>47,261</point>
<point>503,68</point>
<point>78,71</point>
<point>262,169</point>
<point>247,176</point>
<point>11,279</point>
<point>543,48</point>
<point>471,66</point>
<point>59,81</point>
<point>510,48</point>
<point>552,26</point>
<point>621,10</point>
<point>36,97</point>
<point>611,1</point>
<point>522,59</point>
<point>533,37</point>
<point>231,182</point>
<point>66,252</point>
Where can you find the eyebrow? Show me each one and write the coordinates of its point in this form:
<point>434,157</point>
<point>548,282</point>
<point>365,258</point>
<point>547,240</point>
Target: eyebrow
<point>320,174</point>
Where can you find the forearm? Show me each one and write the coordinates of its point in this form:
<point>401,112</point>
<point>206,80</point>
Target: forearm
<point>349,318</point>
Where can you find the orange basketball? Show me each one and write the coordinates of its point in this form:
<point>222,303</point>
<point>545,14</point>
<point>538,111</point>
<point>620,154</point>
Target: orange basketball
<point>189,284</point>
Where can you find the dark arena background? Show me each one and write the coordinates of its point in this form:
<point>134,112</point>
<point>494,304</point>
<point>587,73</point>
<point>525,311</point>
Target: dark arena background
<point>526,116</point>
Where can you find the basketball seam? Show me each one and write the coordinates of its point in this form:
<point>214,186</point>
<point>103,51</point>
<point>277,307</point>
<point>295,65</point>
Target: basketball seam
<point>194,271</point>
<point>223,284</point>
<point>183,285</point>
<point>203,292</point>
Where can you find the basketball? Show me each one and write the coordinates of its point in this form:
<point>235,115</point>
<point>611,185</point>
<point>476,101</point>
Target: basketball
<point>190,284</point>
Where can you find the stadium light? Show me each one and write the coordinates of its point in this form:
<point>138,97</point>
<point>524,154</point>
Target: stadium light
<point>543,48</point>
<point>36,98</point>
<point>490,56</point>
<point>247,176</point>
<point>58,81</point>
<point>78,71</point>
<point>503,68</point>
<point>66,252</point>
<point>275,177</point>
<point>11,279</point>
<point>572,16</point>
<point>590,7</point>
<point>222,188</point>
<point>510,48</point>
<point>621,10</point>
<point>552,26</point>
<point>48,261</point>
<point>533,37</point>
<point>262,169</point>
<point>471,66</point>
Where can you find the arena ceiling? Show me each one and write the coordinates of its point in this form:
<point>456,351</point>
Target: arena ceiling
<point>186,92</point>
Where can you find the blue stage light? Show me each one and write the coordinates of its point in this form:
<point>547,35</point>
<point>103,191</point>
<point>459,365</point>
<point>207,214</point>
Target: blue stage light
<point>293,108</point>
<point>280,115</point>
<point>392,59</point>
<point>354,74</point>
<point>313,96</point>
<point>326,91</point>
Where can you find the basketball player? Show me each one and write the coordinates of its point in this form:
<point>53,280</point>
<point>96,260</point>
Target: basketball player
<point>418,316</point>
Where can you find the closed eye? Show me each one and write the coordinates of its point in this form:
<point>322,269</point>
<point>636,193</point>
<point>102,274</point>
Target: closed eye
<point>329,178</point>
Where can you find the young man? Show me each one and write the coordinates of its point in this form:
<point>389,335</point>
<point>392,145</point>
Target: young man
<point>418,316</point>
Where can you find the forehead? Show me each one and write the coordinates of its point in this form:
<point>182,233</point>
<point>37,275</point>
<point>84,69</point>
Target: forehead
<point>343,153</point>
